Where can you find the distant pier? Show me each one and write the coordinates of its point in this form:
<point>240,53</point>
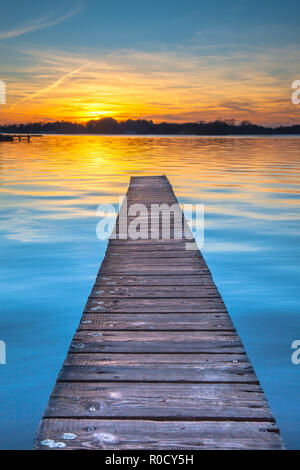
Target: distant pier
<point>19,137</point>
<point>156,362</point>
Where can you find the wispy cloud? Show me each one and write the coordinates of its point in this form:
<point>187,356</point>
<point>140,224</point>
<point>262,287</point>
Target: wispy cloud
<point>52,86</point>
<point>38,24</point>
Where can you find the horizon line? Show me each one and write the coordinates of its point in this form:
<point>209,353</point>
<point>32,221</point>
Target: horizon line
<point>229,122</point>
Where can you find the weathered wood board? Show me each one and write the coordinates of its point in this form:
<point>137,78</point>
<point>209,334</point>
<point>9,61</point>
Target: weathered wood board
<point>156,362</point>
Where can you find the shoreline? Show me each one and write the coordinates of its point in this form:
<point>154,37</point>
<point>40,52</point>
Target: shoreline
<point>9,134</point>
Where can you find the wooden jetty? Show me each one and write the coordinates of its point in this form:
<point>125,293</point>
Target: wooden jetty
<point>156,362</point>
<point>11,137</point>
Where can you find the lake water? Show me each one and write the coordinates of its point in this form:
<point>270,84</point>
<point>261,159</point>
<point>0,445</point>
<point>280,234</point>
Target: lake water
<point>49,192</point>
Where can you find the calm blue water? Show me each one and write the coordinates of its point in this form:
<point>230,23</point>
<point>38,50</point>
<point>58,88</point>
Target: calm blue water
<point>49,192</point>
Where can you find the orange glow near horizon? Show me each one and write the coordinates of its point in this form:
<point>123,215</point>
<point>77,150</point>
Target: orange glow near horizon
<point>159,86</point>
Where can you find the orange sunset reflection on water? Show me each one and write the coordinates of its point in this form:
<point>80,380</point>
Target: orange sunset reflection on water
<point>215,170</point>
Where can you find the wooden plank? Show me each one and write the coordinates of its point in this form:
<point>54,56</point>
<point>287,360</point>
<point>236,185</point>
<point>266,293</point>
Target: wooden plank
<point>156,341</point>
<point>158,292</point>
<point>164,322</point>
<point>156,362</point>
<point>152,280</point>
<point>122,254</point>
<point>175,247</point>
<point>230,360</point>
<point>148,434</point>
<point>156,400</point>
<point>159,305</point>
<point>108,270</point>
<point>161,368</point>
<point>138,262</point>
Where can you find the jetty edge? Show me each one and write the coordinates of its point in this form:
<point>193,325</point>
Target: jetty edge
<point>156,362</point>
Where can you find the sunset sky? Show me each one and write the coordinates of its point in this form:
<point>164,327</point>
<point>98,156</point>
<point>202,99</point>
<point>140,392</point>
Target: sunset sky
<point>160,60</point>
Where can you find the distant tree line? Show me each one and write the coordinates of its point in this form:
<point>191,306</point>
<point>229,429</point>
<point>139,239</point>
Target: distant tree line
<point>109,125</point>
